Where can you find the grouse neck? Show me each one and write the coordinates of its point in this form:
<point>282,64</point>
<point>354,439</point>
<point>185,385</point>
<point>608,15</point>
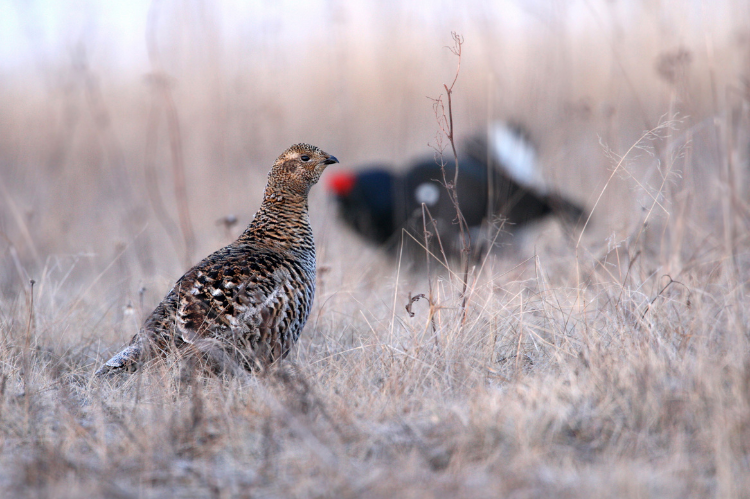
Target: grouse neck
<point>283,222</point>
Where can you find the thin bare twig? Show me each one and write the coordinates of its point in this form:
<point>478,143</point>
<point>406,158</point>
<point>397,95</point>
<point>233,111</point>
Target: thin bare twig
<point>411,301</point>
<point>27,338</point>
<point>445,123</point>
<point>653,300</point>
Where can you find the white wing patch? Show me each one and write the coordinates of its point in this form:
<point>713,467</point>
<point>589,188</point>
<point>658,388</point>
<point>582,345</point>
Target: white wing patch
<point>515,153</point>
<point>427,193</point>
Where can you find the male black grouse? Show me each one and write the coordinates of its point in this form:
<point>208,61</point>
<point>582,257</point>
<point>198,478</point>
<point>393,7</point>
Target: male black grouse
<point>495,181</point>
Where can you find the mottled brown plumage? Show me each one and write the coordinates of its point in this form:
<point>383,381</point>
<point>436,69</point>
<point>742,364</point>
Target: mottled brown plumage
<point>245,304</point>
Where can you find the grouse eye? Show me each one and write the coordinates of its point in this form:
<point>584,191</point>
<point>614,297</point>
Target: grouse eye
<point>305,157</point>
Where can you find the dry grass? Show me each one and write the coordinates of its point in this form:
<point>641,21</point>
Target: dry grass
<point>614,365</point>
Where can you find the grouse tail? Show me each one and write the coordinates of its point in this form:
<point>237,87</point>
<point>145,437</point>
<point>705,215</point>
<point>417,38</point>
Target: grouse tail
<point>125,361</point>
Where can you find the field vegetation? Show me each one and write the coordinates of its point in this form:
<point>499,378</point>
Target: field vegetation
<point>607,362</point>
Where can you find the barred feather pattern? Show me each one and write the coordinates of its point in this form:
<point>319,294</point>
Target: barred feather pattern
<point>245,305</point>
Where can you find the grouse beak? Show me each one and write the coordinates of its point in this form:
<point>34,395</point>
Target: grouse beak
<point>331,160</point>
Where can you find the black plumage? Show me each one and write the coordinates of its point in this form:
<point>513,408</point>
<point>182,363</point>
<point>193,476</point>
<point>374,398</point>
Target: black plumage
<point>377,202</point>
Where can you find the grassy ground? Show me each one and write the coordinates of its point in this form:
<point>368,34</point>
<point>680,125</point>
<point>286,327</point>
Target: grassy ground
<point>608,363</point>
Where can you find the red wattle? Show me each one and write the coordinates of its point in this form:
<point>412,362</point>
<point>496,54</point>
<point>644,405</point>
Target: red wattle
<point>342,183</point>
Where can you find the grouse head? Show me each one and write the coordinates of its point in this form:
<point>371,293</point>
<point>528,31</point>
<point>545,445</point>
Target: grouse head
<point>297,169</point>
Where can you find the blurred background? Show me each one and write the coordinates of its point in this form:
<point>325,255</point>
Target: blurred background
<point>130,130</point>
